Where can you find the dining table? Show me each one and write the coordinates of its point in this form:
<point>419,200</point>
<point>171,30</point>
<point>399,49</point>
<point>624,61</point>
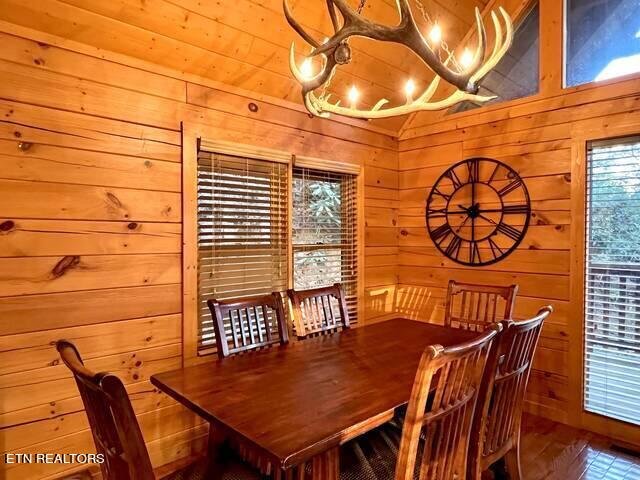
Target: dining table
<point>296,404</point>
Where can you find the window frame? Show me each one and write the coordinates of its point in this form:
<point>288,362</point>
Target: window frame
<point>522,16</point>
<point>583,86</point>
<point>577,415</point>
<point>192,135</point>
<point>329,166</point>
<point>347,186</point>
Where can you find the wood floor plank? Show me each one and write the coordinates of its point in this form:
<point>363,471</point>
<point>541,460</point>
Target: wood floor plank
<point>551,451</point>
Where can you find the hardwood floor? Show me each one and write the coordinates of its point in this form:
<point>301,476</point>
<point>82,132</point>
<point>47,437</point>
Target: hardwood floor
<point>551,451</point>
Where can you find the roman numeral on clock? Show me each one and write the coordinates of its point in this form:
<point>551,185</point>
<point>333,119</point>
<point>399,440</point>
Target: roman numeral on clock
<point>511,232</point>
<point>495,249</point>
<point>437,212</point>
<point>510,187</point>
<point>440,233</point>
<point>474,253</point>
<point>453,249</point>
<point>515,209</point>
<point>474,170</point>
<point>443,195</point>
<point>451,174</point>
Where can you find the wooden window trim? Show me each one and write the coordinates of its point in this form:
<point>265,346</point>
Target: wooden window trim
<point>191,135</point>
<point>578,416</point>
<point>314,163</point>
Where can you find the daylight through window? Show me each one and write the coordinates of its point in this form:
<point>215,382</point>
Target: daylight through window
<point>602,40</point>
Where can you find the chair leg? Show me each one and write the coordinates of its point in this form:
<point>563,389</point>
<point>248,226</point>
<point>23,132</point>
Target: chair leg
<point>512,459</point>
<point>474,470</point>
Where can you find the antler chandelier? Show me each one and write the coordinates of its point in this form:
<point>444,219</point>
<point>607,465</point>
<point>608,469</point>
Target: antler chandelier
<point>335,51</point>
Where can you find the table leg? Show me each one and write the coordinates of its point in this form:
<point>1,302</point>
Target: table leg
<point>216,452</point>
<point>326,465</point>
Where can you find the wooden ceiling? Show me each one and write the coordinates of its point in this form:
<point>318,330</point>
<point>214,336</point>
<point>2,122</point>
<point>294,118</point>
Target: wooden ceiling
<point>243,43</point>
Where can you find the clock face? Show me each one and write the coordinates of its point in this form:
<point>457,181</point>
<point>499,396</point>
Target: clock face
<point>478,211</point>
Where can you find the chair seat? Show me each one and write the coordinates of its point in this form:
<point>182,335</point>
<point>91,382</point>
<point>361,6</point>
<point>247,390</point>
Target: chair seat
<point>234,470</point>
<point>373,456</point>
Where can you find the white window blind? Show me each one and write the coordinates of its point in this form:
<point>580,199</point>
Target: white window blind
<point>242,232</point>
<point>325,249</point>
<point>612,339</point>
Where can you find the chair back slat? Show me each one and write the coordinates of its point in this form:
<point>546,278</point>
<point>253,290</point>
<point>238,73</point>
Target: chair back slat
<point>476,307</point>
<point>441,409</point>
<point>246,324</point>
<point>318,311</point>
<point>496,428</point>
<point>113,423</point>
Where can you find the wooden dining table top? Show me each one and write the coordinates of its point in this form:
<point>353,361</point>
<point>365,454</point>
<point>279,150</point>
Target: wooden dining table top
<point>297,400</point>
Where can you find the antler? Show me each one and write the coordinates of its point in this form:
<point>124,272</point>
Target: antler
<point>336,51</point>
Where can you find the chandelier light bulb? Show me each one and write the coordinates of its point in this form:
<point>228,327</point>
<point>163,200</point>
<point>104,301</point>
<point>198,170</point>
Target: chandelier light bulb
<point>466,59</point>
<point>307,68</point>
<point>409,89</point>
<point>354,94</point>
<point>426,41</point>
<point>436,34</point>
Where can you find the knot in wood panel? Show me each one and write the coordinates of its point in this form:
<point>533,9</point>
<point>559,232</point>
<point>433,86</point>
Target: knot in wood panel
<point>65,264</point>
<point>7,226</point>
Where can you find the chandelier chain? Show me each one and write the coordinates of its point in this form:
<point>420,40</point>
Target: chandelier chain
<point>445,47</point>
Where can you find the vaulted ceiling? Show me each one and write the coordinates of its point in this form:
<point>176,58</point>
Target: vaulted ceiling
<point>244,43</point>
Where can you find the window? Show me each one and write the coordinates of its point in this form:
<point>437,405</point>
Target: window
<point>517,74</point>
<point>602,40</point>
<point>242,232</point>
<point>325,232</point>
<point>612,300</point>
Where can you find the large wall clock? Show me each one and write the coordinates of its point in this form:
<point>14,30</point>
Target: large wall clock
<point>478,211</point>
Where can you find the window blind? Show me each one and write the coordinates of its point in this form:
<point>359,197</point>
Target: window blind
<point>242,232</point>
<point>612,337</point>
<point>325,249</point>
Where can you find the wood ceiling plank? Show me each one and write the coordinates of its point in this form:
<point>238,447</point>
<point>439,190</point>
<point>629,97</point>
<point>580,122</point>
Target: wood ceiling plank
<point>230,43</point>
<point>80,25</point>
<point>193,29</point>
<point>265,20</point>
<point>81,51</point>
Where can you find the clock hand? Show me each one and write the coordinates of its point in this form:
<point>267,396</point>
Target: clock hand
<point>473,218</point>
<point>462,225</point>
<point>486,218</point>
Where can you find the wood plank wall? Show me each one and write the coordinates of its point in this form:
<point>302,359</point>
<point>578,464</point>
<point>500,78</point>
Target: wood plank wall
<point>535,137</point>
<point>90,230</point>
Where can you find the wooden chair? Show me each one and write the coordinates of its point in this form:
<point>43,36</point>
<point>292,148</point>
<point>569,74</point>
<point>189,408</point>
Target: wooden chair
<point>476,307</point>
<point>314,311</point>
<point>116,432</point>
<point>496,429</point>
<point>253,323</point>
<point>434,442</point>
